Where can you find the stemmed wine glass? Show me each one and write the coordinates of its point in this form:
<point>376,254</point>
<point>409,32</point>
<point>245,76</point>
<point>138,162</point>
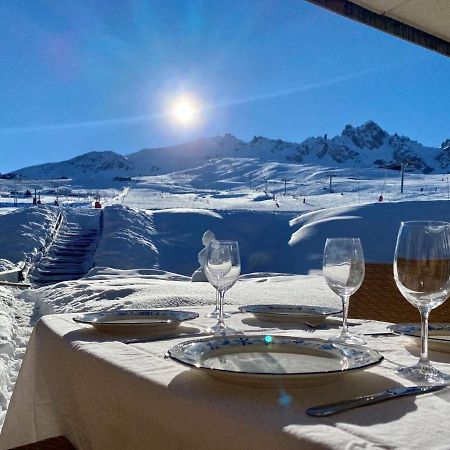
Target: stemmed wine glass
<point>215,313</point>
<point>422,274</point>
<point>343,270</point>
<point>222,268</point>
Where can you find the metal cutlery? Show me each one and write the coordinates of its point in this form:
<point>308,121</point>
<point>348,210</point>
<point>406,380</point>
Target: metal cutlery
<point>325,326</point>
<point>164,338</point>
<point>315,326</point>
<point>382,333</point>
<point>333,408</point>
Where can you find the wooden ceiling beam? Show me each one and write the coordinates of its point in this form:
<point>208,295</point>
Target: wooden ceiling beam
<point>381,22</point>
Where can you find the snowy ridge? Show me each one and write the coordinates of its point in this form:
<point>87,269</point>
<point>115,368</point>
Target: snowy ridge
<point>179,157</point>
<point>365,146</point>
<point>98,164</point>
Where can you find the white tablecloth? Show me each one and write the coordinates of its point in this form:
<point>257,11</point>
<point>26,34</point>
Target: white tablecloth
<point>103,394</point>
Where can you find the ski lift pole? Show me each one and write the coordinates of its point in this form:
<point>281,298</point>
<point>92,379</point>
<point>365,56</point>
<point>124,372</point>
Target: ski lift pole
<point>331,181</point>
<point>403,177</point>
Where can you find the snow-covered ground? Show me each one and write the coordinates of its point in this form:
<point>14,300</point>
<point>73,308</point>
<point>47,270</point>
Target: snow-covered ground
<point>151,229</point>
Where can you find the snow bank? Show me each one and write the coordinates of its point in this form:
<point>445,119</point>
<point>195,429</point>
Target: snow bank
<point>110,289</point>
<point>23,231</point>
<point>126,240</point>
<point>14,334</point>
<point>375,224</point>
<point>170,239</point>
<point>263,238</point>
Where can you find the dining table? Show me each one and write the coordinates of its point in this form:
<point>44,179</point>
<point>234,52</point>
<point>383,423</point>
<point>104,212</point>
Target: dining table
<point>105,390</point>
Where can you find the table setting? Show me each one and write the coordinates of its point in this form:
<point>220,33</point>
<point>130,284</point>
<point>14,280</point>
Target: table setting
<point>300,375</point>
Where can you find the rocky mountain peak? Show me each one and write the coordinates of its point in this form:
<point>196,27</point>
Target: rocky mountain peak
<point>368,135</point>
<point>446,145</point>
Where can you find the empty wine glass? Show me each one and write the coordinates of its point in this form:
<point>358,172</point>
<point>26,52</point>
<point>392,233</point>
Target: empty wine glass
<point>422,274</point>
<point>343,270</point>
<point>222,268</point>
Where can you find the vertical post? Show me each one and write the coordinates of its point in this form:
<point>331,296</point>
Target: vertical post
<point>403,178</point>
<point>15,193</point>
<point>285,183</point>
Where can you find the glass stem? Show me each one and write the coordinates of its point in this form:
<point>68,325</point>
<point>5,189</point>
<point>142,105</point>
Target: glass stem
<point>217,300</point>
<point>221,300</point>
<point>345,301</point>
<point>423,360</point>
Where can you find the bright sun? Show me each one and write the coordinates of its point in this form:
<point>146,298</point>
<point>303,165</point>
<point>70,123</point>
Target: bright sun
<point>185,110</point>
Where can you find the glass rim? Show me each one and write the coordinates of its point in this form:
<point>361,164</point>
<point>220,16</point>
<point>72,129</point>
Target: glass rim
<point>344,239</point>
<point>421,223</point>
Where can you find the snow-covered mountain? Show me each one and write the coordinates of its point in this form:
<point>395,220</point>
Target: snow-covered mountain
<point>365,146</point>
<point>89,165</point>
<point>168,159</point>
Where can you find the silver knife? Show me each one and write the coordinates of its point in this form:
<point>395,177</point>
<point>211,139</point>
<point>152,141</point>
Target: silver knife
<point>164,337</point>
<point>333,408</point>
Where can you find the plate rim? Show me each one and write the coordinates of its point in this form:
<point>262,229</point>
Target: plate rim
<point>79,319</point>
<point>333,311</point>
<point>279,375</point>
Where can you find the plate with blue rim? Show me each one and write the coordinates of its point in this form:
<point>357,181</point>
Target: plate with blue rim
<point>271,360</point>
<point>135,320</point>
<point>289,313</point>
<point>438,334</point>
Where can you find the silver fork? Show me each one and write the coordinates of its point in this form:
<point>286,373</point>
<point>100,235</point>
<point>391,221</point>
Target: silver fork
<point>310,327</point>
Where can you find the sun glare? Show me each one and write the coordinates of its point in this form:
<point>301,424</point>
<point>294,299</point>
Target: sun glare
<point>185,111</point>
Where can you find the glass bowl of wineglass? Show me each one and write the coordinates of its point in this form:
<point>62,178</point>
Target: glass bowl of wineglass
<point>222,268</point>
<point>422,275</point>
<point>343,270</point>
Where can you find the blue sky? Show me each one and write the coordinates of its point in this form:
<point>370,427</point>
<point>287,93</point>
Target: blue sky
<point>99,75</point>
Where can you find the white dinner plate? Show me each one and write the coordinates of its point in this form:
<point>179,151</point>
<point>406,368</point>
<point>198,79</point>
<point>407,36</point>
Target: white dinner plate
<point>438,334</point>
<point>267,360</point>
<point>289,313</point>
<point>135,321</point>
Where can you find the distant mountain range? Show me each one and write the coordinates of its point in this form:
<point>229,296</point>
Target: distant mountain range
<point>365,146</point>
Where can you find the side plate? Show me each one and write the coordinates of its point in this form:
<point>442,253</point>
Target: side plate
<point>135,321</point>
<point>289,313</point>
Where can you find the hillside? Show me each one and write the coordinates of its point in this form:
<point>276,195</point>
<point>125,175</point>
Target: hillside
<point>89,165</point>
